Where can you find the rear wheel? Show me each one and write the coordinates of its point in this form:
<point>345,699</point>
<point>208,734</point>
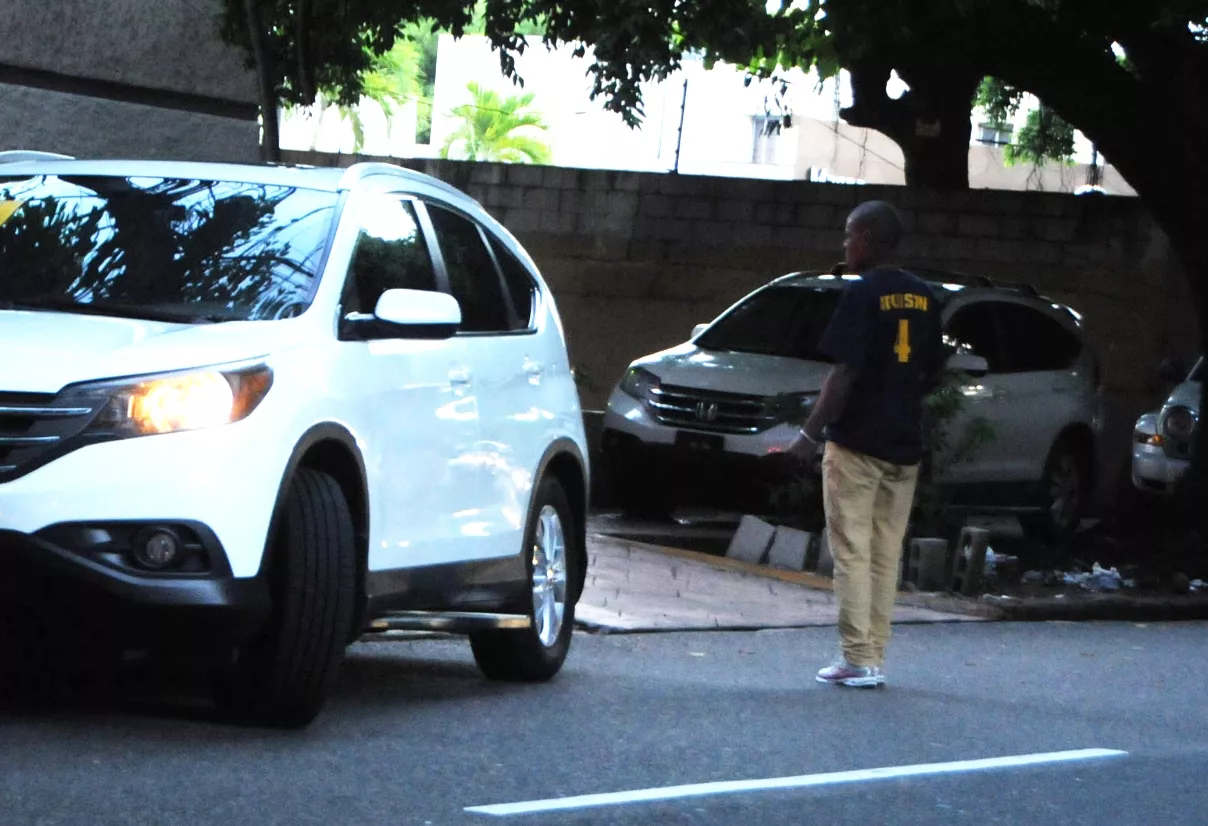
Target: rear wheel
<point>551,553</point>
<point>1066,483</point>
<point>282,678</point>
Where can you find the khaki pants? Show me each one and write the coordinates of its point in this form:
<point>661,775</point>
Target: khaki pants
<point>868,504</point>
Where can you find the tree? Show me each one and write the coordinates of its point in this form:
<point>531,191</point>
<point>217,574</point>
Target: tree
<point>1045,136</point>
<point>494,128</point>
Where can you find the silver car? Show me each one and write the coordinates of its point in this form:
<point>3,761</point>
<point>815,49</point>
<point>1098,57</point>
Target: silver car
<point>1163,440</point>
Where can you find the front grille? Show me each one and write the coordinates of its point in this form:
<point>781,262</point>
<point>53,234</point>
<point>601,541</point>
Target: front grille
<point>33,426</point>
<point>709,410</point>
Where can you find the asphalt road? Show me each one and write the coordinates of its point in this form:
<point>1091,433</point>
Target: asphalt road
<point>415,736</point>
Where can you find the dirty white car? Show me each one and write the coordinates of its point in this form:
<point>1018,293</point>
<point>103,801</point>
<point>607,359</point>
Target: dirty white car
<point>695,423</point>
<point>1163,440</point>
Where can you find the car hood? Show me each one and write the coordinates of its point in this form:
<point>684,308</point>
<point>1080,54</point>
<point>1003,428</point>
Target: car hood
<point>747,373</point>
<point>1186,394</point>
<point>45,351</point>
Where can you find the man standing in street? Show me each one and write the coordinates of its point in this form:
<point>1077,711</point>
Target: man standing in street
<point>885,342</point>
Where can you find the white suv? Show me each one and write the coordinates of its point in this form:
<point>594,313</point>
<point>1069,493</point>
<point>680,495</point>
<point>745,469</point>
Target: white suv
<point>699,422</point>
<point>260,411</point>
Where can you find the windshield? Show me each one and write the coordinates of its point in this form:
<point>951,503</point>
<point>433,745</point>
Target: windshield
<point>169,248</point>
<point>776,321</point>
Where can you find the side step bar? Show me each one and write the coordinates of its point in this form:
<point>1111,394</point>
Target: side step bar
<point>454,622</point>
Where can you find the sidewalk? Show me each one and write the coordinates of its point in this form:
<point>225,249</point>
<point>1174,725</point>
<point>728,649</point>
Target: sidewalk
<point>632,586</point>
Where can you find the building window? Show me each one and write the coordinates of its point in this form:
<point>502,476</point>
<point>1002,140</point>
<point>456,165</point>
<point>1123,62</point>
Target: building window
<point>766,137</point>
<point>995,134</point>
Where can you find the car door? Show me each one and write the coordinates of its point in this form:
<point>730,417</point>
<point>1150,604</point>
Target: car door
<point>1038,387</point>
<point>415,398</point>
<point>972,327</point>
<point>508,370</point>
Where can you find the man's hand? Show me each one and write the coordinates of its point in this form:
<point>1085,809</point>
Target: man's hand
<point>804,448</point>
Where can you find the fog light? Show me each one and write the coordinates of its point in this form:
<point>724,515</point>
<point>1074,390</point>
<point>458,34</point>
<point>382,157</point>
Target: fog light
<point>158,549</point>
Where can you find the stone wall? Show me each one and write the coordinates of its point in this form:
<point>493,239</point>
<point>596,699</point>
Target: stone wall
<point>636,260</point>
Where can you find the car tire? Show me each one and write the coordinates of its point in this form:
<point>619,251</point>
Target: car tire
<point>282,678</point>
<point>551,553</point>
<point>1065,486</point>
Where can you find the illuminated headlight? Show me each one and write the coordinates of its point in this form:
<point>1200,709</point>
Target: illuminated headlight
<point>1179,423</point>
<point>172,403</point>
<point>640,383</point>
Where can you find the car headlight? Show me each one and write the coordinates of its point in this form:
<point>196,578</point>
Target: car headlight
<point>640,383</point>
<point>171,403</point>
<point>792,408</point>
<point>1179,423</point>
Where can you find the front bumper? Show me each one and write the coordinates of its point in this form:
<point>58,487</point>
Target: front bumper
<point>1155,472</point>
<point>640,452</point>
<point>69,588</point>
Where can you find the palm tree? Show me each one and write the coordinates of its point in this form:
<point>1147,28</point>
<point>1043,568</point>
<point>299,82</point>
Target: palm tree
<point>392,79</point>
<point>490,129</point>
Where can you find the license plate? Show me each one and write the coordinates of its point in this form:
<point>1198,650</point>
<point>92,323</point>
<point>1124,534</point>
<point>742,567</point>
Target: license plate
<point>699,442</point>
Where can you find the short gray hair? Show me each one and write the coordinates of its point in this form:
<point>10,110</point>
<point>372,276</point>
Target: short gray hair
<point>882,222</point>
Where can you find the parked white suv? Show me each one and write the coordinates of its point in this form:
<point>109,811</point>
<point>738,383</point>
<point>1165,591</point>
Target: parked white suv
<point>260,411</point>
<point>699,422</point>
<point>1164,441</point>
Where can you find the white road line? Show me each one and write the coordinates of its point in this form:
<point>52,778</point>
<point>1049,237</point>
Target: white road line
<point>832,778</point>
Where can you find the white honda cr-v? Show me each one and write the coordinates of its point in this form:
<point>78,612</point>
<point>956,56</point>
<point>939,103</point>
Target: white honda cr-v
<point>259,412</point>
<point>708,421</point>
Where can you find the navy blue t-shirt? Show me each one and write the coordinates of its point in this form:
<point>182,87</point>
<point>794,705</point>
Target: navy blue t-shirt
<point>887,327</point>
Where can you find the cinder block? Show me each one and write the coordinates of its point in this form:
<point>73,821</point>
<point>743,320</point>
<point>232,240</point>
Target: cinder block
<point>751,541</point>
<point>926,564</point>
<point>970,559</point>
<point>790,549</point>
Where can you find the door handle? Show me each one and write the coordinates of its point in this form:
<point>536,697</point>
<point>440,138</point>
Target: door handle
<point>534,370</point>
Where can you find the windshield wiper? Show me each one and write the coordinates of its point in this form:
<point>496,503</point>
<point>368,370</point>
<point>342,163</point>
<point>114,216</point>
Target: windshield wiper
<point>116,309</point>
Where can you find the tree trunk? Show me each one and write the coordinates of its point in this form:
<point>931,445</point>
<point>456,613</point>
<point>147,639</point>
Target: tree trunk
<point>930,123</point>
<point>270,147</point>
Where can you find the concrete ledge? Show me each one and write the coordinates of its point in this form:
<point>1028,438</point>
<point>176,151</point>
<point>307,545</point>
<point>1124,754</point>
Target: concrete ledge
<point>1118,607</point>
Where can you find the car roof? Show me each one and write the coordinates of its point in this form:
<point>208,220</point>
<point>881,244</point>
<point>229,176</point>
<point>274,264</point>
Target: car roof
<point>329,179</point>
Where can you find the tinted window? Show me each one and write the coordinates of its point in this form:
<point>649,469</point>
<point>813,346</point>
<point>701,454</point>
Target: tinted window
<point>390,254</point>
<point>777,321</point>
<point>1034,341</point>
<point>519,283</point>
<point>973,329</point>
<point>161,246</point>
<point>472,275</point>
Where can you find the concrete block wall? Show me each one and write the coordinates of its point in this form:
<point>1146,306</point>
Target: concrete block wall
<point>635,260</point>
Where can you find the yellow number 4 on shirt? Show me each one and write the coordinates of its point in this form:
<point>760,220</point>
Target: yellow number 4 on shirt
<point>902,346</point>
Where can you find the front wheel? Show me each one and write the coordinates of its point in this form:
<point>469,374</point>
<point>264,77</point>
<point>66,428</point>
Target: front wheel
<point>551,551</point>
<point>283,677</point>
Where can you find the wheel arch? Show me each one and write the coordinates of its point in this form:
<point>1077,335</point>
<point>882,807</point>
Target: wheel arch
<point>564,461</point>
<point>331,449</point>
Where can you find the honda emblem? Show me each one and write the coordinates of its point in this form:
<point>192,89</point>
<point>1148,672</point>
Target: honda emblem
<point>706,411</point>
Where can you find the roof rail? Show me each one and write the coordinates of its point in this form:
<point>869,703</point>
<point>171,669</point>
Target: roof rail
<point>19,155</point>
<point>364,169</point>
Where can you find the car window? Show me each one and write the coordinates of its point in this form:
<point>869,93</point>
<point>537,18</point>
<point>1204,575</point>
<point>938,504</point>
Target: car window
<point>973,329</point>
<point>519,283</point>
<point>390,253</point>
<point>473,278</point>
<point>227,250</point>
<point>776,321</point>
<point>1034,341</point>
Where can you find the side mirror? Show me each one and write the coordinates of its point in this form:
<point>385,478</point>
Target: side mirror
<point>413,314</point>
<point>968,363</point>
<point>698,329</point>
